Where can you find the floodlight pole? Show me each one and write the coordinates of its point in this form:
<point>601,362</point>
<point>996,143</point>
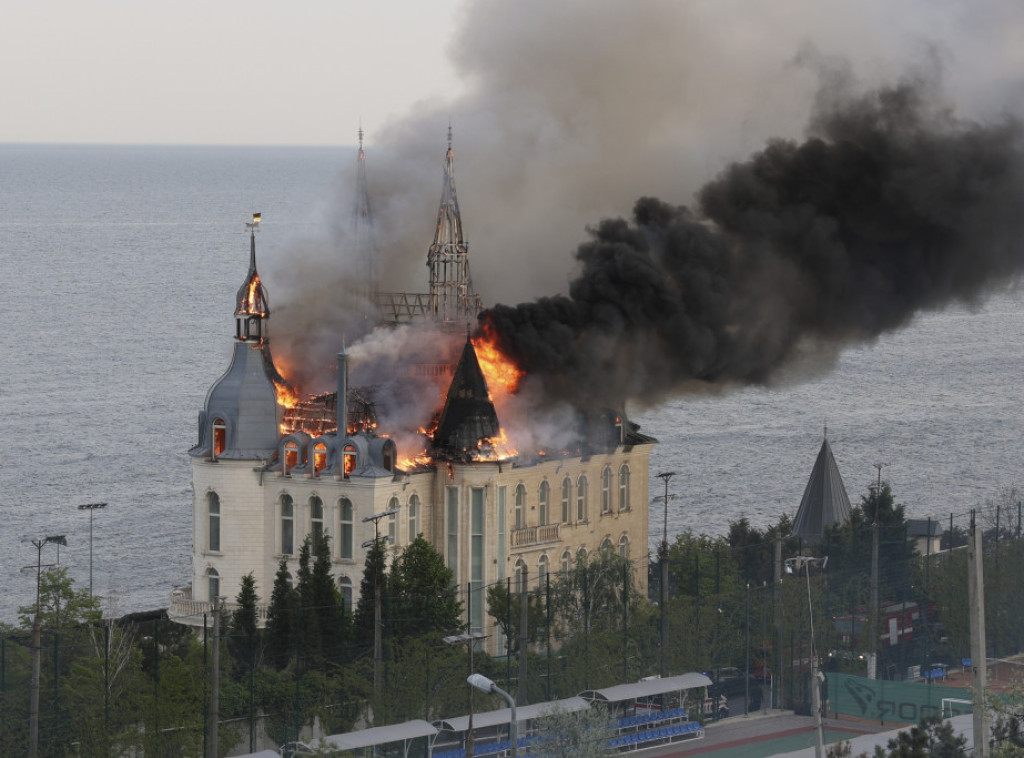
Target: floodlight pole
<point>663,560</point>
<point>91,507</point>
<point>470,638</point>
<point>484,684</point>
<point>805,562</point>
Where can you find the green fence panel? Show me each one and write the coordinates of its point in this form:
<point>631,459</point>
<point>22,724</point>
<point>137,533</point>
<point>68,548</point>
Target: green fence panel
<point>893,702</point>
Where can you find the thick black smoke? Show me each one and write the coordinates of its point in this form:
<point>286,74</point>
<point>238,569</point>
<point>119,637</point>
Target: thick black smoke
<point>890,206</point>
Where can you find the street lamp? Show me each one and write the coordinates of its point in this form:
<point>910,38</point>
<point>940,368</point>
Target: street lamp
<point>91,507</point>
<point>377,641</point>
<point>482,683</point>
<point>470,639</point>
<point>805,562</point>
<point>663,556</point>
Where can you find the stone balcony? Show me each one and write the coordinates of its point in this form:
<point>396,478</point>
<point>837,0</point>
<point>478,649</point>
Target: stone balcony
<point>535,535</point>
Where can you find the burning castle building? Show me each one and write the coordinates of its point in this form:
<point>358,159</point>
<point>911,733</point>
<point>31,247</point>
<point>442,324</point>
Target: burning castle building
<point>272,465</point>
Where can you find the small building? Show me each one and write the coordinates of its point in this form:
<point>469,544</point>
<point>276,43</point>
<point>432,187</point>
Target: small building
<point>926,534</point>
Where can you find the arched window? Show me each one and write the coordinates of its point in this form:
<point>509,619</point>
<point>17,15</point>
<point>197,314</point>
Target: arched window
<point>566,562</point>
<point>213,584</point>
<point>393,520</point>
<point>319,457</point>
<point>287,525</point>
<point>624,547</point>
<point>346,534</point>
<point>542,573</point>
<point>520,576</point>
<point>520,507</point>
<point>345,588</point>
<point>213,508</point>
<point>606,490</point>
<point>220,436</point>
<point>349,455</point>
<point>316,518</point>
<point>606,545</point>
<point>581,498</point>
<point>291,455</point>
<point>542,502</point>
<point>581,557</point>
<point>623,487</point>
<point>388,456</point>
<point>566,500</point>
<point>414,514</point>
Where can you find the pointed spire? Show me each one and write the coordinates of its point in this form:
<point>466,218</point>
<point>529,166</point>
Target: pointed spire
<point>252,307</point>
<point>451,289</point>
<point>825,501</point>
<point>366,254</point>
<point>468,416</point>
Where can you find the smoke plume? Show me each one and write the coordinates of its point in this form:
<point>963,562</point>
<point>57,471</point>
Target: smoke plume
<point>890,206</point>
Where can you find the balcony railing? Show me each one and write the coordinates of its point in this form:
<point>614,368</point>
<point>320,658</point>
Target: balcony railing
<point>185,610</point>
<point>535,535</point>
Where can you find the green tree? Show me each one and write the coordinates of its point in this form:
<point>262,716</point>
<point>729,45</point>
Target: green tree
<point>374,570</point>
<point>61,606</point>
<point>326,602</point>
<point>243,642</point>
<point>931,738</point>
<point>281,617</point>
<point>423,598</point>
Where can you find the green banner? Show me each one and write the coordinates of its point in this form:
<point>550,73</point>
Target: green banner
<point>893,702</point>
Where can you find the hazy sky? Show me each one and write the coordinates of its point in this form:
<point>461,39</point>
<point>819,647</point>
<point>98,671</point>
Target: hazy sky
<point>226,71</point>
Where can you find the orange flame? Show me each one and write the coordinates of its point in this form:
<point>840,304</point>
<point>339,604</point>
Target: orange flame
<point>501,373</point>
<point>287,397</point>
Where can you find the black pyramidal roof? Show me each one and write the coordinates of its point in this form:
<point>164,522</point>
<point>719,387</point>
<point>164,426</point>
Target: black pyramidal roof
<point>468,414</point>
<point>825,501</point>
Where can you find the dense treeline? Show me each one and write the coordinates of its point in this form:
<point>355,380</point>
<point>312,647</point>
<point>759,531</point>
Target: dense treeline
<point>143,684</point>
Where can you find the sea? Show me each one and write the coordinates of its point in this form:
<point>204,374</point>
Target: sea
<point>118,268</point>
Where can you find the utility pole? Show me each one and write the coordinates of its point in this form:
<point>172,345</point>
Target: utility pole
<point>663,564</point>
<point>976,611</point>
<point>377,630</point>
<point>37,633</point>
<point>805,562</point>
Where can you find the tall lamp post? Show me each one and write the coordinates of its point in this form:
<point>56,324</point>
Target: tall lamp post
<point>37,627</point>
<point>805,562</point>
<point>377,639</point>
<point>91,507</point>
<point>482,683</point>
<point>663,561</point>
<point>470,639</point>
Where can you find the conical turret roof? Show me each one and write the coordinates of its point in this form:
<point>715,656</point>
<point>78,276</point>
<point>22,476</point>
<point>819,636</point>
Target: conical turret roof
<point>825,501</point>
<point>468,414</point>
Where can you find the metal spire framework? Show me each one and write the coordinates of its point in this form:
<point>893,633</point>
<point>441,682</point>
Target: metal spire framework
<point>451,289</point>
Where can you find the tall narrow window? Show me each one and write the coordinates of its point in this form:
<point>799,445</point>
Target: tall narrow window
<point>220,437</point>
<point>476,558</point>
<point>291,456</point>
<point>349,463</point>
<point>520,506</point>
<point>606,545</point>
<point>624,547</point>
<point>316,518</point>
<point>414,514</point>
<point>543,500</point>
<point>213,506</point>
<point>520,576</point>
<point>287,525</point>
<point>345,588</point>
<point>502,497</point>
<point>566,500</point>
<point>453,531</point>
<point>213,584</point>
<point>581,557</point>
<point>581,498</point>
<point>566,562</point>
<point>623,487</point>
<point>606,490</point>
<point>393,520</point>
<point>542,573</point>
<point>346,536</point>
<point>319,457</point>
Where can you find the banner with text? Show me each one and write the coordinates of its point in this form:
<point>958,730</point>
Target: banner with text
<point>894,702</point>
